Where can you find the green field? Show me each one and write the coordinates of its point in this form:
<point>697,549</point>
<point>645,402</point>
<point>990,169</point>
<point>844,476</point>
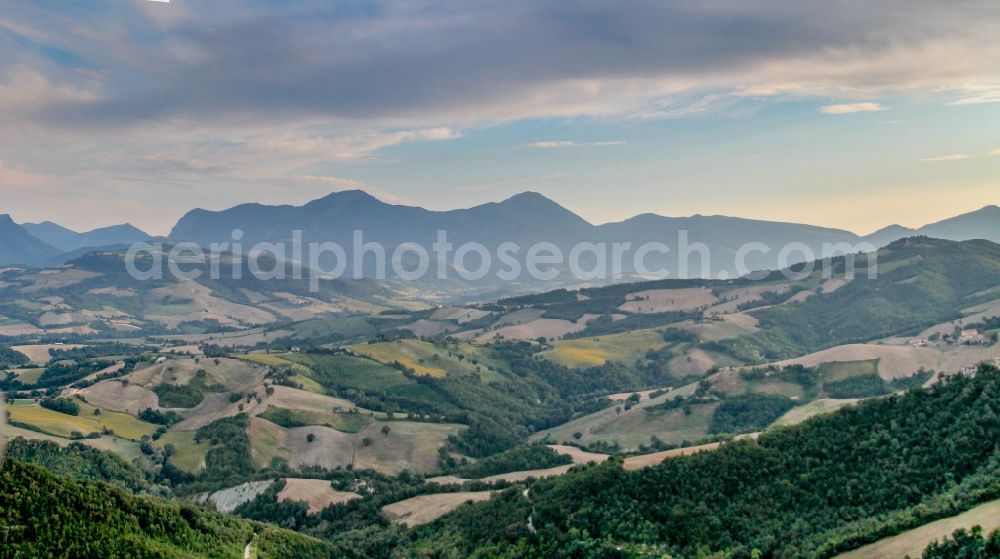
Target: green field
<point>122,424</point>
<point>351,372</point>
<point>348,327</point>
<point>636,426</point>
<point>337,373</point>
<point>595,351</point>
<point>840,370</point>
<point>188,455</point>
<point>287,418</point>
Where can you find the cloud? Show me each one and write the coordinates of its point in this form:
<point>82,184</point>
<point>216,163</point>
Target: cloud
<point>552,144</point>
<point>433,61</point>
<point>850,108</point>
<point>349,146</point>
<point>994,152</point>
<point>950,157</point>
<point>978,94</point>
<point>237,97</point>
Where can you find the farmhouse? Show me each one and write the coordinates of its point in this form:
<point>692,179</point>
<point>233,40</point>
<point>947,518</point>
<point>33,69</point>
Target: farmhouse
<point>918,342</point>
<point>971,336</point>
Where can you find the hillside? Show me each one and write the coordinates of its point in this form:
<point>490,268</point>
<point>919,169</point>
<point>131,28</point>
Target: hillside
<point>921,282</point>
<point>94,294</point>
<point>52,516</point>
<point>831,484</point>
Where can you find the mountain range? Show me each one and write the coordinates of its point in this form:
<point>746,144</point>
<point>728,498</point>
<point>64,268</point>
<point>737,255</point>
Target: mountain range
<point>48,243</point>
<point>524,219</point>
<point>529,218</point>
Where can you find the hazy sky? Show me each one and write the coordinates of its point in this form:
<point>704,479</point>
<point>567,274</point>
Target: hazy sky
<point>841,113</point>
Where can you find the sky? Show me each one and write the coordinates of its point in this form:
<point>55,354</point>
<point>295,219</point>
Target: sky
<point>842,113</point>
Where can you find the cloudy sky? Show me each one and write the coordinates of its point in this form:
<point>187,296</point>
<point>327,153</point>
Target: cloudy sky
<point>842,113</point>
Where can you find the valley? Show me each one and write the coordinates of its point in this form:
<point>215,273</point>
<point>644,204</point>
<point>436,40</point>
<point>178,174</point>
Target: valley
<point>354,410</point>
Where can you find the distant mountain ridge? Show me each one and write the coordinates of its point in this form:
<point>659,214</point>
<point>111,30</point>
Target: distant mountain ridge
<point>525,219</point>
<point>48,243</point>
<point>530,218</point>
<point>68,240</point>
<point>18,246</point>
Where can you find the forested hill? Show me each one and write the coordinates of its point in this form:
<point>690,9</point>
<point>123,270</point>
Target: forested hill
<point>42,515</point>
<point>831,484</point>
<point>919,282</point>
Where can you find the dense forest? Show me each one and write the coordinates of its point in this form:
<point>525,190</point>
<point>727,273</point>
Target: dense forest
<point>48,516</point>
<point>831,484</point>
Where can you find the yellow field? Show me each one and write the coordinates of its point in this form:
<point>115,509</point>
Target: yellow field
<point>591,352</point>
<point>52,422</point>
<point>188,456</point>
<point>913,542</point>
<point>63,425</point>
<point>799,414</point>
<point>426,358</point>
<point>307,384</point>
<point>428,508</point>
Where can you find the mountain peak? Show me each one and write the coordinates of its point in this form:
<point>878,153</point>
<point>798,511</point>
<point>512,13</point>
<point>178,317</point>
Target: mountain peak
<point>528,195</point>
<point>530,199</point>
<point>346,196</point>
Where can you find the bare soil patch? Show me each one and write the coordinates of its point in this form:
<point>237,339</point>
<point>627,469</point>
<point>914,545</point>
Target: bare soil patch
<point>317,493</point>
<point>428,508</point>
